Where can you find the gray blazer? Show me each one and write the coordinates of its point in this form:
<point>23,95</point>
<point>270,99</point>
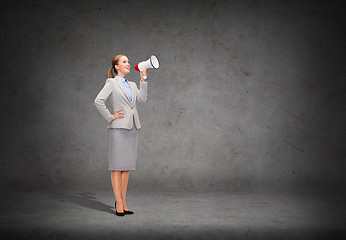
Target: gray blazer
<point>114,90</point>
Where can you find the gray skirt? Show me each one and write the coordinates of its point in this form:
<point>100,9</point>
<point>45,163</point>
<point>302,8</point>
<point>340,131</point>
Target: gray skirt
<point>122,148</point>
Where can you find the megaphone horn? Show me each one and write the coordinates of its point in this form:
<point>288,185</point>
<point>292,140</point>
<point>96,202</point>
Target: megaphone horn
<point>152,62</point>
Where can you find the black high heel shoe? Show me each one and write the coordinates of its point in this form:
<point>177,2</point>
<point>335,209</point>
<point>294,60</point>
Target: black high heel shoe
<point>128,212</point>
<point>125,212</point>
<point>116,212</point>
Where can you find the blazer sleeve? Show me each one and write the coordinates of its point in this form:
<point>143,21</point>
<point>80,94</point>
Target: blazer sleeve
<point>100,101</point>
<point>142,91</point>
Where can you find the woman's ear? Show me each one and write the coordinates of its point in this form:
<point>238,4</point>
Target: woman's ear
<point>116,67</point>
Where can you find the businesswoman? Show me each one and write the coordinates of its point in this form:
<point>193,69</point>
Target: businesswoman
<point>123,125</point>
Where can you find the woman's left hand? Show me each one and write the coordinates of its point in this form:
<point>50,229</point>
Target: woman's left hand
<point>143,73</point>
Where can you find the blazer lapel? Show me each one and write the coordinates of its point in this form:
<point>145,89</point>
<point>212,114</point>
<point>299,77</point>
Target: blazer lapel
<point>121,85</point>
<point>133,95</point>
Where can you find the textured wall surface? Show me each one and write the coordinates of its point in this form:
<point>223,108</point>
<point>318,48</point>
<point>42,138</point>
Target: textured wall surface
<point>249,94</point>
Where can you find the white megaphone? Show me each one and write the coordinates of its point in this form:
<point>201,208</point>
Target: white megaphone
<point>152,62</point>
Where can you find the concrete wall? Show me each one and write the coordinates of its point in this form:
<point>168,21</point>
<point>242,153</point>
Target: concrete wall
<point>249,94</point>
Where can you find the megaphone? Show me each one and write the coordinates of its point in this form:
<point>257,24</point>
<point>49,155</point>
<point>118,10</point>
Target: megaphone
<point>152,62</point>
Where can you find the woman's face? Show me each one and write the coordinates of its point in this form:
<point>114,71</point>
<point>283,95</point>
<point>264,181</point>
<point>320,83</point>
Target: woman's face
<point>123,66</point>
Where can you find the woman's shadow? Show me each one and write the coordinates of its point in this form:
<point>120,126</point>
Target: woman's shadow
<point>85,199</point>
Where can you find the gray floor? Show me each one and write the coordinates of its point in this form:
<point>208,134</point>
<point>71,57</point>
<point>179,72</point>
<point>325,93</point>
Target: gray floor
<point>173,214</point>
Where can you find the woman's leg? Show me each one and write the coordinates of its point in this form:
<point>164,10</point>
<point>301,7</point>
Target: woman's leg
<point>117,186</point>
<point>124,180</point>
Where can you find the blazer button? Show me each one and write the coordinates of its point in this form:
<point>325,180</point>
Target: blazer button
<point>131,107</point>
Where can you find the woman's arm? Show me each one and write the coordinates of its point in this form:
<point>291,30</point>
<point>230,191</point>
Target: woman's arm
<point>142,91</point>
<point>100,101</point>
<point>143,85</point>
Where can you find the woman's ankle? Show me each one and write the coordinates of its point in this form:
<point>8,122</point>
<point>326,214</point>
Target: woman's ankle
<point>119,207</point>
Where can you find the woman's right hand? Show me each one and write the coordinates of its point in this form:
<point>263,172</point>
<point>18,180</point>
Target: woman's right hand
<point>118,114</point>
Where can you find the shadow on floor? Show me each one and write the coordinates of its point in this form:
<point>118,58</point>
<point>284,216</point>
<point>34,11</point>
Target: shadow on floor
<point>87,200</point>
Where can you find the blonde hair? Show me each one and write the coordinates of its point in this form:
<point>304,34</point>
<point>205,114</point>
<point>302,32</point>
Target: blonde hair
<point>115,61</point>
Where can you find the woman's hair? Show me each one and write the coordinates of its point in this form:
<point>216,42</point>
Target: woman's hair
<point>115,61</point>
